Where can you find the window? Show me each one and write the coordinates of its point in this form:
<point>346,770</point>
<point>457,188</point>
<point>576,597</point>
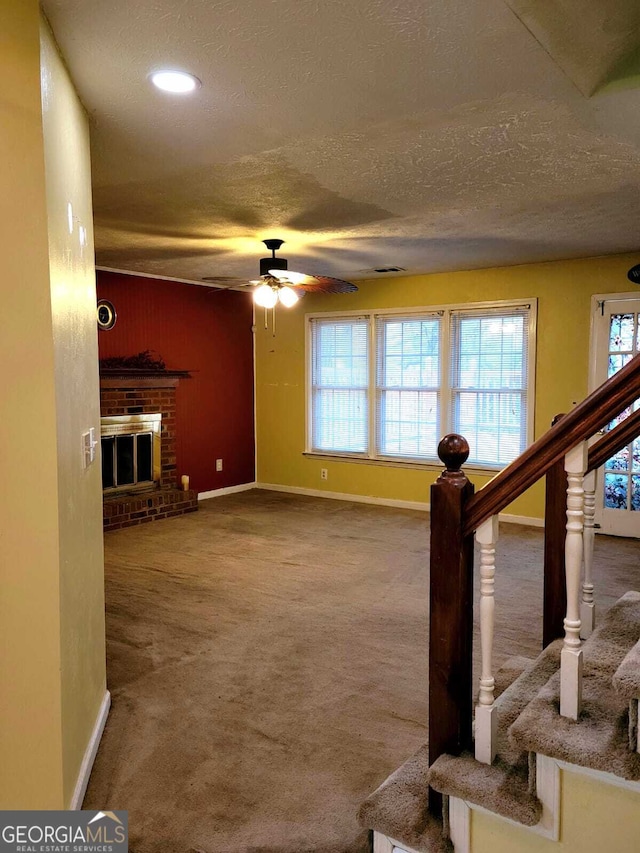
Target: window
<point>389,385</point>
<point>489,383</point>
<point>408,386</point>
<point>340,385</point>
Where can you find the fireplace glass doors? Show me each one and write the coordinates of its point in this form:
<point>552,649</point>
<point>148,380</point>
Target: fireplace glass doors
<point>130,451</point>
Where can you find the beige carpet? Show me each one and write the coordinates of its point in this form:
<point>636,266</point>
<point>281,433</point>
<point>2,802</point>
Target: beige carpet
<point>267,659</point>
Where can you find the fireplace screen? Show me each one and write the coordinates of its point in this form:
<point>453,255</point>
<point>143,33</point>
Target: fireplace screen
<point>130,451</point>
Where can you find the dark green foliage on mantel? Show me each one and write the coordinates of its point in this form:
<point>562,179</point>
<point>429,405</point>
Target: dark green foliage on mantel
<point>141,361</point>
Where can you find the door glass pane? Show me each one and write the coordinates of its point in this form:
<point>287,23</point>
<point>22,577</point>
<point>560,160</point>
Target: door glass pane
<point>615,491</point>
<point>616,362</point>
<point>621,333</point>
<point>621,491</point>
<point>619,462</point>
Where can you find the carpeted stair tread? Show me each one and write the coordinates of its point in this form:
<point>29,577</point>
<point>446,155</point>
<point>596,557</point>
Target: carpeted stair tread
<point>599,738</point>
<point>501,787</point>
<point>517,696</point>
<point>399,808</point>
<point>509,671</point>
<point>626,679</point>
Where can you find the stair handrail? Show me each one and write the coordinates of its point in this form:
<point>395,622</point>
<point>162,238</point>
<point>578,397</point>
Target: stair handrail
<point>456,513</point>
<point>555,520</point>
<point>614,441</point>
<point>593,413</point>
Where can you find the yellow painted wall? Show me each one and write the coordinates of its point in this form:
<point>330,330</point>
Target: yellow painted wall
<point>30,702</point>
<point>595,817</point>
<point>563,290</point>
<point>75,346</point>
<point>51,611</point>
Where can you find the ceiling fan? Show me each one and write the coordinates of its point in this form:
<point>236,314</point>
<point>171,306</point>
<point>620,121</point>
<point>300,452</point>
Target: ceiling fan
<point>278,284</point>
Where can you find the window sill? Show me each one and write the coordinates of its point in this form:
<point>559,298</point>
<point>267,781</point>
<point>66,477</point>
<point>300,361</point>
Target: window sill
<point>427,465</point>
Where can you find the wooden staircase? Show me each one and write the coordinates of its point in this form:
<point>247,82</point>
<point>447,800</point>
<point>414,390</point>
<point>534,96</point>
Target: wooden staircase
<point>572,711</point>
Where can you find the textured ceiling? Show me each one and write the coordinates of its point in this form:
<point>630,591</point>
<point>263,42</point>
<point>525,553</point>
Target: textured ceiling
<point>430,136</point>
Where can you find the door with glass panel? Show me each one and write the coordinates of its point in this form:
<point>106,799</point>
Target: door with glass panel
<point>616,339</point>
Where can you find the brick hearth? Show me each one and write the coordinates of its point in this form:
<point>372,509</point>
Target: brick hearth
<point>130,394</point>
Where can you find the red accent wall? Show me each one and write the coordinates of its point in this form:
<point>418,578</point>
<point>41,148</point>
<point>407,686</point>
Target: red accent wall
<point>207,332</point>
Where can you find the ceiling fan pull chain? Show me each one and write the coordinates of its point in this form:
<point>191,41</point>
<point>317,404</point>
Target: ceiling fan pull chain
<point>273,321</point>
<point>266,325</point>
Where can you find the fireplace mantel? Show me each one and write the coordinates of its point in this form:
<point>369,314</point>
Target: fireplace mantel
<point>142,378</point>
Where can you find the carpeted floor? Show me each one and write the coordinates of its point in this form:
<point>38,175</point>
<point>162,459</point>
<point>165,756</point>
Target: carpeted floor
<point>267,659</point>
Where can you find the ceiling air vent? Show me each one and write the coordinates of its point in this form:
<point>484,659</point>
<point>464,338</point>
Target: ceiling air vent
<point>384,269</point>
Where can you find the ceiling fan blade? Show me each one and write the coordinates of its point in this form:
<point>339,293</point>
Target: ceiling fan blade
<point>222,282</point>
<point>313,283</point>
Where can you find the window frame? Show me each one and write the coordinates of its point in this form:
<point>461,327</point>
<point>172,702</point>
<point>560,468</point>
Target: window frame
<point>311,387</point>
<point>446,396</point>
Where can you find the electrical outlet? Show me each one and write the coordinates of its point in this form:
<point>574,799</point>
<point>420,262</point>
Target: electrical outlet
<point>324,474</point>
<point>218,464</point>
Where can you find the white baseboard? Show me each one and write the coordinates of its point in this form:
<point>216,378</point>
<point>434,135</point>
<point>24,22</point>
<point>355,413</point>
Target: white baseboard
<point>90,753</point>
<point>527,520</point>
<point>229,490</point>
<point>342,496</point>
<point>421,506</point>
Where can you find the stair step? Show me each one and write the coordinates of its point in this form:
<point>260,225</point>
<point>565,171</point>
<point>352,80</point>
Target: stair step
<point>599,738</point>
<point>517,696</point>
<point>502,787</point>
<point>508,672</point>
<point>399,808</point>
<point>626,679</point>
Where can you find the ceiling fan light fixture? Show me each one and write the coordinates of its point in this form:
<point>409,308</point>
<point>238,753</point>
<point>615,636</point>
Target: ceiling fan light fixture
<point>175,82</point>
<point>265,296</point>
<point>289,276</point>
<point>287,296</point>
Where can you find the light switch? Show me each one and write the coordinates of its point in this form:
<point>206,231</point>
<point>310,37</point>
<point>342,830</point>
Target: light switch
<point>89,447</point>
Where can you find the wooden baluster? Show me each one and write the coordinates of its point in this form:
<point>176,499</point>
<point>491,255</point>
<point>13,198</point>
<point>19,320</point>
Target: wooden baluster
<point>588,607</point>
<point>451,610</point>
<point>486,711</point>
<point>571,656</point>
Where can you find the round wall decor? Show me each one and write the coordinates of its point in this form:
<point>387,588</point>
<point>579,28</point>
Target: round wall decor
<point>106,314</point>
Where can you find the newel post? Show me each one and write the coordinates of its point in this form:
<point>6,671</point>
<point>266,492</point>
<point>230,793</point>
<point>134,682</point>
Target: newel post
<point>451,608</point>
<point>555,531</point>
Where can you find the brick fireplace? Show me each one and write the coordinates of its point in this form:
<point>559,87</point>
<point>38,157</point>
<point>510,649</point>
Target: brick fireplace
<point>143,393</point>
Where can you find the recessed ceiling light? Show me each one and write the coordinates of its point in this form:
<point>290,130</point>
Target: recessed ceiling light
<point>176,82</point>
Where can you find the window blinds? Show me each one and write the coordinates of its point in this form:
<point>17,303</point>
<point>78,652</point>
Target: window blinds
<point>489,370</point>
<point>408,386</point>
<point>390,385</point>
<point>340,385</point>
